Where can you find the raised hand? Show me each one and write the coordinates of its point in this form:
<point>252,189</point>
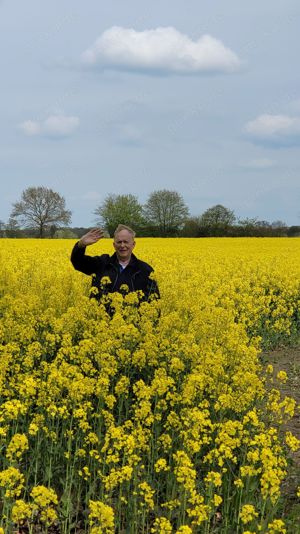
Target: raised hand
<point>91,237</point>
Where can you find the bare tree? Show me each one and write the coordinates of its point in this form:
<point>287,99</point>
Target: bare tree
<point>12,228</point>
<point>166,210</point>
<point>2,229</point>
<point>40,207</point>
<point>278,224</point>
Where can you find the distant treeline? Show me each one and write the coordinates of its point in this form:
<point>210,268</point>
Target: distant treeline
<point>42,212</point>
<point>190,229</point>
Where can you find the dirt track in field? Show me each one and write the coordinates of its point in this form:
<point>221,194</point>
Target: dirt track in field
<point>288,359</point>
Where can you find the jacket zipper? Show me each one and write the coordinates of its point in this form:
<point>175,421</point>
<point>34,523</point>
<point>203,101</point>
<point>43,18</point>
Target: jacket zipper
<point>116,279</point>
<point>133,276</point>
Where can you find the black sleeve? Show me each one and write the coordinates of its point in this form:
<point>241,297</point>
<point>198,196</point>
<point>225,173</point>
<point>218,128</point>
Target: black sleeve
<point>152,289</point>
<point>86,264</point>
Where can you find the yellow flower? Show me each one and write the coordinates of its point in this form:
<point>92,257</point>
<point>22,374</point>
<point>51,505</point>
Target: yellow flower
<point>21,511</point>
<point>16,447</point>
<point>147,493</point>
<point>101,518</point>
<point>105,280</point>
<point>118,476</point>
<point>156,395</point>
<point>198,511</point>
<point>217,500</point>
<point>292,442</point>
<point>184,470</point>
<point>162,526</point>
<point>85,472</point>
<point>276,527</point>
<point>213,478</point>
<point>161,465</point>
<point>12,480</point>
<point>43,501</point>
<point>282,376</point>
<point>122,385</point>
<point>33,429</point>
<point>248,513</point>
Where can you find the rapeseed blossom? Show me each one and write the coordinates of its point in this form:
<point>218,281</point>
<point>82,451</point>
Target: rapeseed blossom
<point>276,527</point>
<point>21,511</point>
<point>102,515</point>
<point>248,513</point>
<point>44,499</point>
<point>17,446</point>
<point>12,480</point>
<point>158,413</point>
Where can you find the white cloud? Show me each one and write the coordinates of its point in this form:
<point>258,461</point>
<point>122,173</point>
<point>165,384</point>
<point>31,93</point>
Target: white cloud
<point>54,126</point>
<point>163,49</point>
<point>30,128</point>
<point>60,125</point>
<point>278,129</point>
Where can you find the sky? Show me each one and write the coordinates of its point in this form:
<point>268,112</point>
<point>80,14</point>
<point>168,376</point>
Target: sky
<point>198,97</point>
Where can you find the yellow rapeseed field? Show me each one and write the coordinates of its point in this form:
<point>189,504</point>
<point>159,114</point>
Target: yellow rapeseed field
<point>160,419</point>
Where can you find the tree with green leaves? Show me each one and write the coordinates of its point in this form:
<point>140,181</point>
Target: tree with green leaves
<point>39,208</point>
<point>119,209</point>
<point>216,221</point>
<point>166,211</point>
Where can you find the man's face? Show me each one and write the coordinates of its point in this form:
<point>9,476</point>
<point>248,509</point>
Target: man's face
<point>124,245</point>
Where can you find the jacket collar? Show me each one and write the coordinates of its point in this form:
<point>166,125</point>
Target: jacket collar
<point>114,260</point>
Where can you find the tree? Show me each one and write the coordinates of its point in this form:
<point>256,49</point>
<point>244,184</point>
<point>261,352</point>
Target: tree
<point>64,233</point>
<point>253,227</point>
<point>2,229</point>
<point>79,231</point>
<point>294,231</point>
<point>52,230</point>
<point>12,228</point>
<point>216,221</point>
<point>278,224</point>
<point>191,227</point>
<point>119,209</point>
<point>39,208</point>
<point>166,210</point>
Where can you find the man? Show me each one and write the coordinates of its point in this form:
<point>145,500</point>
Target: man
<point>123,268</point>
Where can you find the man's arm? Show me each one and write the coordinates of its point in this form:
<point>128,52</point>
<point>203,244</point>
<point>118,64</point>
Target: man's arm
<point>81,262</point>
<point>152,290</point>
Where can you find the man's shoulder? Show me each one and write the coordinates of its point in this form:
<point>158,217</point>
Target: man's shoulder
<point>104,258</point>
<point>101,260</point>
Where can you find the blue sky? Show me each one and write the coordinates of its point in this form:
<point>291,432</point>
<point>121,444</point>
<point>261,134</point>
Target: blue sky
<point>130,97</point>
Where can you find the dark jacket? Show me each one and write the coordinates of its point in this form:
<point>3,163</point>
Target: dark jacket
<point>135,275</point>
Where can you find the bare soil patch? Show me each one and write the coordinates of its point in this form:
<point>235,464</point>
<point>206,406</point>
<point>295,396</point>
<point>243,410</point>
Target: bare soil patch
<point>288,359</point>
